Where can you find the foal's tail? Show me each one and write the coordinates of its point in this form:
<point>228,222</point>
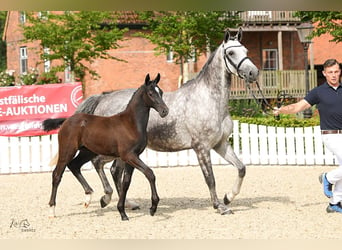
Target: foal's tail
<point>51,124</point>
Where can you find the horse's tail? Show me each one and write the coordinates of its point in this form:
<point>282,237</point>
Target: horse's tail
<point>89,105</point>
<point>51,124</point>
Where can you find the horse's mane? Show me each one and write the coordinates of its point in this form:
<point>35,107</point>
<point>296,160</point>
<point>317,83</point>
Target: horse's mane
<point>142,87</point>
<point>206,65</point>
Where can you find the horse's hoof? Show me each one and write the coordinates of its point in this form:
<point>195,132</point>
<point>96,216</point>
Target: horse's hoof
<point>124,218</point>
<point>103,203</point>
<point>153,211</point>
<point>227,211</point>
<point>137,207</point>
<point>52,213</point>
<point>226,200</point>
<point>87,200</point>
<point>223,210</point>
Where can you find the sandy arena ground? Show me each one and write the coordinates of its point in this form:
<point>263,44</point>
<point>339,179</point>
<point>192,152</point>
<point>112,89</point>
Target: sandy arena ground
<point>276,202</point>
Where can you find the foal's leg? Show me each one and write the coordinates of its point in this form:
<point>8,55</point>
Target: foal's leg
<point>75,165</point>
<point>99,163</point>
<point>116,171</point>
<point>133,160</point>
<point>64,157</point>
<point>203,156</point>
<point>123,191</point>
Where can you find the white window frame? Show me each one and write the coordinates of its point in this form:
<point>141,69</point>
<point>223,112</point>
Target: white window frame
<point>169,57</point>
<point>23,58</point>
<point>67,74</point>
<point>22,17</point>
<point>266,58</point>
<point>47,63</point>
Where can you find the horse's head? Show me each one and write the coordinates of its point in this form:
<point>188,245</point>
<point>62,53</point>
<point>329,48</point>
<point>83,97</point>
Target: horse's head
<point>154,96</point>
<point>236,59</point>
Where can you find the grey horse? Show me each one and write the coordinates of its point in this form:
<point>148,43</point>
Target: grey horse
<point>198,118</point>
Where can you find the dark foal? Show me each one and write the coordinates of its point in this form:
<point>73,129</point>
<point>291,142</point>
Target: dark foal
<point>122,135</point>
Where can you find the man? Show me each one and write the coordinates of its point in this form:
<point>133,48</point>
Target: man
<point>328,98</point>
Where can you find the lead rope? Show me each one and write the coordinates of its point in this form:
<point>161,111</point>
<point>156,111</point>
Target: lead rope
<point>263,99</point>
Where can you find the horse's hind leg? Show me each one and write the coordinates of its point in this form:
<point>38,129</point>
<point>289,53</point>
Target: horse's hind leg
<point>226,151</point>
<point>128,172</point>
<point>203,156</point>
<point>116,171</point>
<point>99,163</point>
<point>75,165</point>
<point>63,158</point>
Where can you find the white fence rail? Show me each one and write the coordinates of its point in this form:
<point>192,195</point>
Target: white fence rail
<point>254,144</point>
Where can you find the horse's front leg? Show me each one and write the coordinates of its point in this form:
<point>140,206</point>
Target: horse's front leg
<point>116,171</point>
<point>134,161</point>
<point>203,156</point>
<point>123,191</point>
<point>226,151</point>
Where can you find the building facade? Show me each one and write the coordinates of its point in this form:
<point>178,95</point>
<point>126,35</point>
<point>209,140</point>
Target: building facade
<point>270,37</point>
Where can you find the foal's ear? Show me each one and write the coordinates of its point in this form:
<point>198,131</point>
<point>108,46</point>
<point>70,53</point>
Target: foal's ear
<point>239,35</point>
<point>157,79</point>
<point>147,79</point>
<point>226,35</point>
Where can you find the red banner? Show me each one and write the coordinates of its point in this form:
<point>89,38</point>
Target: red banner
<point>23,108</point>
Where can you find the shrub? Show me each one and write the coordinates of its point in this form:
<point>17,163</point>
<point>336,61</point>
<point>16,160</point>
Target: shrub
<point>30,77</point>
<point>6,79</point>
<point>47,77</point>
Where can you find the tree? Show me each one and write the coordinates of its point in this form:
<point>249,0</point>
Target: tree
<point>2,43</point>
<point>327,22</point>
<point>187,34</point>
<point>74,38</point>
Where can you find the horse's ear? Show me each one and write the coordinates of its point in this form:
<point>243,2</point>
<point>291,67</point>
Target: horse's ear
<point>226,35</point>
<point>239,35</point>
<point>147,79</point>
<point>157,79</point>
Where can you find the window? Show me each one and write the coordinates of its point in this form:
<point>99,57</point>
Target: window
<point>43,15</point>
<point>269,59</point>
<point>23,60</point>
<point>67,74</point>
<point>169,56</point>
<point>22,17</point>
<point>47,63</point>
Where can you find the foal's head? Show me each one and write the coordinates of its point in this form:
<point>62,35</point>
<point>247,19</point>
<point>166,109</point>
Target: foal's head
<point>153,96</point>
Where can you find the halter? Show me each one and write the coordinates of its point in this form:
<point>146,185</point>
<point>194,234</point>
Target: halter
<point>225,58</point>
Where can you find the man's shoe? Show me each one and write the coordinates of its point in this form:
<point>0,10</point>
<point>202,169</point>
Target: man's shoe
<point>327,186</point>
<point>334,208</point>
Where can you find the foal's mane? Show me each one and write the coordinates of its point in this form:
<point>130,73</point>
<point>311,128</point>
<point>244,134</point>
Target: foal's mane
<point>138,91</point>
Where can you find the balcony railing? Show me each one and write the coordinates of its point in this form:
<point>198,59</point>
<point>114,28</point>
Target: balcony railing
<point>268,16</point>
<point>292,82</point>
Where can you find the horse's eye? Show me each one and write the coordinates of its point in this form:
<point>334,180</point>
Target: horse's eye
<point>231,53</point>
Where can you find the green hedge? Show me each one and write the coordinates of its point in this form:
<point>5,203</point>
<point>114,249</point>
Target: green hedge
<point>286,121</point>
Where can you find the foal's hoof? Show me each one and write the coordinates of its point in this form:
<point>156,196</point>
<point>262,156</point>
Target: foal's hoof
<point>124,218</point>
<point>223,210</point>
<point>226,200</point>
<point>153,211</point>
<point>103,203</point>
<point>87,200</point>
